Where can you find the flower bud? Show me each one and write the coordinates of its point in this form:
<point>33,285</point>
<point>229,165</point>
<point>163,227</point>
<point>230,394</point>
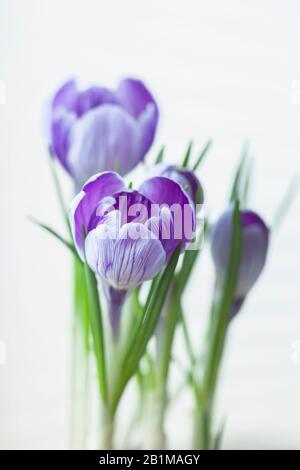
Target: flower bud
<point>255,241</point>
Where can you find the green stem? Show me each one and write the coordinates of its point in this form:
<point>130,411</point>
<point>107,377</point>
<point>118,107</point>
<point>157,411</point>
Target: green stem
<point>137,343</point>
<point>86,402</point>
<point>97,329</point>
<point>107,430</point>
<point>202,429</point>
<point>73,386</point>
<point>59,193</point>
<point>187,339</point>
<point>154,418</point>
<point>217,335</point>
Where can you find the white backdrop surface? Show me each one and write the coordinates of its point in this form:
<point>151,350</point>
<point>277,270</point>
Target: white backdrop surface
<point>227,70</point>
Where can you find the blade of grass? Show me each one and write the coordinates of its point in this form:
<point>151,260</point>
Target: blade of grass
<point>160,155</point>
<point>97,329</point>
<point>244,196</point>
<point>286,202</point>
<point>202,430</point>
<point>81,303</point>
<point>236,186</point>
<point>187,155</point>
<point>50,230</point>
<point>152,311</point>
<point>202,154</point>
<point>219,436</point>
<point>218,335</point>
<point>137,346</point>
<point>59,192</point>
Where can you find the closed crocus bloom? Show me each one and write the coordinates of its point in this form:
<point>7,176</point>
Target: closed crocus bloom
<point>130,235</point>
<point>97,129</point>
<point>185,177</point>
<point>255,241</point>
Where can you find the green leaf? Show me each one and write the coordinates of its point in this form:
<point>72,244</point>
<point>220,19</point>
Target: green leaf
<point>238,190</point>
<point>219,437</point>
<point>81,302</point>
<point>186,158</point>
<point>187,339</point>
<point>244,197</point>
<point>202,154</point>
<point>50,230</point>
<point>97,329</point>
<point>139,340</point>
<point>217,338</point>
<point>160,155</point>
<point>286,202</point>
<point>189,261</point>
<point>58,190</point>
<point>175,313</point>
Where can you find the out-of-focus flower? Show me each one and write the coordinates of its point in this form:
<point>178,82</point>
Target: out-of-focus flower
<point>185,177</point>
<point>255,241</point>
<point>130,235</point>
<point>97,129</point>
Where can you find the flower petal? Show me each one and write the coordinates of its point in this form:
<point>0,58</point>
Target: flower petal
<point>135,97</point>
<point>162,227</point>
<point>138,101</point>
<point>165,191</point>
<point>66,96</point>
<point>106,138</point>
<point>61,125</point>
<point>92,97</point>
<point>124,263</point>
<point>85,203</point>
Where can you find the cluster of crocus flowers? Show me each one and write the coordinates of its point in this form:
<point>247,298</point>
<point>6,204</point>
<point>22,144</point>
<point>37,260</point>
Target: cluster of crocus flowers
<point>123,236</point>
<point>130,234</point>
<point>97,129</point>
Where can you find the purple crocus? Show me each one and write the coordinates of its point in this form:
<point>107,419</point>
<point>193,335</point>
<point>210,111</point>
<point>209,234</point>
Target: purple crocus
<point>185,177</point>
<point>255,242</point>
<point>130,234</point>
<point>98,129</point>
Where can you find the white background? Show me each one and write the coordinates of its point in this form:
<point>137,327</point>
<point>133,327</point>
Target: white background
<point>219,69</point>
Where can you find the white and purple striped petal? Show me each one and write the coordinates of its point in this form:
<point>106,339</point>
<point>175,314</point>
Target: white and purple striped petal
<point>123,260</point>
<point>129,235</point>
<point>85,203</point>
<point>163,191</point>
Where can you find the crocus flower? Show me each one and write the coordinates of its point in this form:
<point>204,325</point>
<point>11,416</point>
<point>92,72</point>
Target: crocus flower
<point>130,235</point>
<point>97,129</point>
<point>185,177</point>
<point>255,241</point>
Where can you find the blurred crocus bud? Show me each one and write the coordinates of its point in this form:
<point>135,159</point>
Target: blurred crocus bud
<point>97,129</point>
<point>185,177</point>
<point>130,234</point>
<point>255,241</point>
